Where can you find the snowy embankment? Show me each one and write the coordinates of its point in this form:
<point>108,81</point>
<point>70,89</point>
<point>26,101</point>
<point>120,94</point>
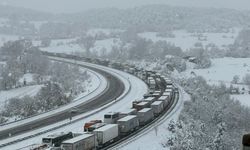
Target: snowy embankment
<point>222,71</point>
<point>134,89</point>
<point>18,93</point>
<point>98,85</point>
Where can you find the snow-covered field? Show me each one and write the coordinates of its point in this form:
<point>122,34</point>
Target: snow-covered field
<point>19,92</point>
<point>67,49</point>
<point>187,40</point>
<point>135,89</point>
<point>65,46</point>
<point>222,71</point>
<point>244,99</point>
<point>95,31</point>
<point>5,38</point>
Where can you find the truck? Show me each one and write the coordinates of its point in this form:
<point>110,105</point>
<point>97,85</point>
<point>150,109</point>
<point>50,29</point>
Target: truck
<point>127,112</point>
<point>156,95</point>
<point>168,81</point>
<point>170,87</point>
<point>157,107</point>
<point>106,134</point>
<point>165,100</point>
<point>81,142</point>
<point>141,105</point>
<point>145,115</point>
<point>111,117</point>
<point>128,124</point>
<point>56,139</point>
<point>90,123</point>
<point>95,126</point>
<point>149,99</point>
<point>169,90</point>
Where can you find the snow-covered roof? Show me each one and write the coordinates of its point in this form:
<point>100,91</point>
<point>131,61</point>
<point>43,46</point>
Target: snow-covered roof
<point>156,103</point>
<point>127,111</point>
<point>129,117</point>
<point>163,98</point>
<point>168,90</point>
<point>145,110</point>
<point>149,99</point>
<point>142,103</point>
<point>106,127</point>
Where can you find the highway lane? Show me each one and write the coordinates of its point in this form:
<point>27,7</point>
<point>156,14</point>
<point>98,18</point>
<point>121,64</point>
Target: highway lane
<point>116,88</point>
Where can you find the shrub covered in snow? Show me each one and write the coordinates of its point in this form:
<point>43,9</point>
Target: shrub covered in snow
<point>211,120</point>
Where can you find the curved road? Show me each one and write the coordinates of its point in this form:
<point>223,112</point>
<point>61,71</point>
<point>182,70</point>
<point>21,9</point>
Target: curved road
<point>116,88</point>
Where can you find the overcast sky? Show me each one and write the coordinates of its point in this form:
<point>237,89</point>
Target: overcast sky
<point>66,6</point>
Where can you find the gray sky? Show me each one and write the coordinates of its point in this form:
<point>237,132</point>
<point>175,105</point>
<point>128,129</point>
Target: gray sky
<point>58,6</point>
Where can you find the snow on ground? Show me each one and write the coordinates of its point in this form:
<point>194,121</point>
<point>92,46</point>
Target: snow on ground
<point>28,77</point>
<point>67,49</point>
<point>91,85</point>
<point>19,92</point>
<point>135,87</point>
<point>187,40</point>
<point>4,38</point>
<point>99,84</point>
<point>3,22</point>
<point>38,24</point>
<point>244,99</point>
<point>107,44</point>
<point>66,46</point>
<point>156,136</point>
<point>222,71</point>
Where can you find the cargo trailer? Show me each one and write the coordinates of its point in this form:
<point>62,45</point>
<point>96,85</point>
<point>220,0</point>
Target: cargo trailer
<point>128,124</point>
<point>157,107</point>
<point>165,100</point>
<point>106,134</point>
<point>149,99</point>
<point>145,115</point>
<point>81,142</point>
<point>95,126</point>
<point>156,95</point>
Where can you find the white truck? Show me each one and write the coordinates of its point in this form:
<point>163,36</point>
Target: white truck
<point>128,124</point>
<point>165,100</point>
<point>81,142</point>
<point>157,107</point>
<point>106,134</point>
<point>145,115</point>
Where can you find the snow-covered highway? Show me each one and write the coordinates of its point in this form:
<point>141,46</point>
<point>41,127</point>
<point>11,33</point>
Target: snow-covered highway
<point>134,89</point>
